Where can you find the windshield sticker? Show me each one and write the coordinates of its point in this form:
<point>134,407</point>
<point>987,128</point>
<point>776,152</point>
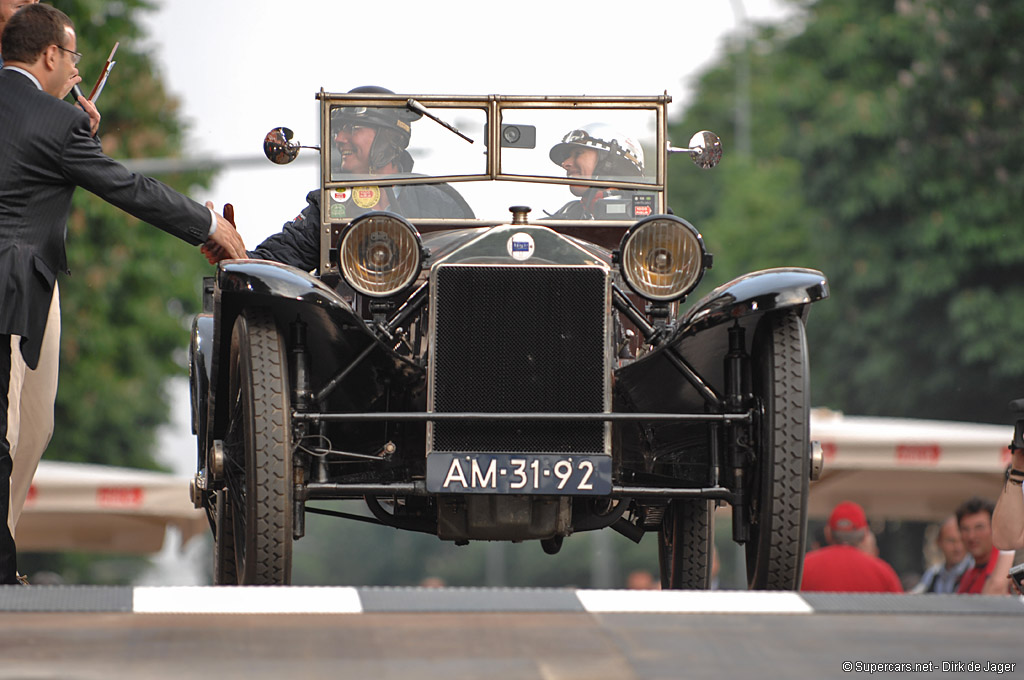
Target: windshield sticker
<point>337,210</point>
<point>520,246</point>
<point>366,197</point>
<point>643,205</point>
<point>341,194</point>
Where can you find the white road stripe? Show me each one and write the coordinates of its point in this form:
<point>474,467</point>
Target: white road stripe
<point>246,600</point>
<point>693,601</point>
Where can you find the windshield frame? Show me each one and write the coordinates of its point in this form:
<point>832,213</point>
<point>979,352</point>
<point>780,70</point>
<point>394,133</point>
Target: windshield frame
<point>493,106</point>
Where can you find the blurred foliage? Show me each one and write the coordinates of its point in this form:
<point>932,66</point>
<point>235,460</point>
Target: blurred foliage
<point>888,153</point>
<point>132,290</point>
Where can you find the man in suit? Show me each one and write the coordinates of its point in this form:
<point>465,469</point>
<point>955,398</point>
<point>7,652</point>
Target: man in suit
<point>48,150</point>
<point>33,391</point>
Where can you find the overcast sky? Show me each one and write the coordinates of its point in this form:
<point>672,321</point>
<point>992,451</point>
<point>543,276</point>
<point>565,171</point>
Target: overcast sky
<point>241,68</point>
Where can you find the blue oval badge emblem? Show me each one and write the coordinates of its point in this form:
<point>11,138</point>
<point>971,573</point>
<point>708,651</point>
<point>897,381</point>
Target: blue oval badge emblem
<point>520,246</point>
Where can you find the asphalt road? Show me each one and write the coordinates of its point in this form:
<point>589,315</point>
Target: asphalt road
<point>518,643</point>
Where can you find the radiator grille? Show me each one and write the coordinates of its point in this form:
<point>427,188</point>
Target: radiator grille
<point>520,339</point>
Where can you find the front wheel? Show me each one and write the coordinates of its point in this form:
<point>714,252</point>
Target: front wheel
<point>258,465</point>
<point>686,545</point>
<point>781,474</point>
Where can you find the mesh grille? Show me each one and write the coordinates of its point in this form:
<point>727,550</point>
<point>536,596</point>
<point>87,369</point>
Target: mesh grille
<point>519,339</point>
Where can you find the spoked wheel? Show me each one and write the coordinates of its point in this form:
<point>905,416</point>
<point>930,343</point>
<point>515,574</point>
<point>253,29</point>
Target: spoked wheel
<point>225,570</point>
<point>779,485</point>
<point>685,544</point>
<point>258,465</point>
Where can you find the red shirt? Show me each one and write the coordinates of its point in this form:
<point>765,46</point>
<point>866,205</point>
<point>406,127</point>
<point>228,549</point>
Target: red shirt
<point>846,569</point>
<point>974,578</point>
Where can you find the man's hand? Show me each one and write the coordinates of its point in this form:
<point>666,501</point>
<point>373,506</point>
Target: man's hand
<point>72,81</point>
<point>1017,459</point>
<point>225,244</point>
<point>94,114</point>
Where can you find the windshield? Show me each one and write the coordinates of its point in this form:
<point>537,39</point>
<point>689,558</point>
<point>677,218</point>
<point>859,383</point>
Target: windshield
<point>469,159</point>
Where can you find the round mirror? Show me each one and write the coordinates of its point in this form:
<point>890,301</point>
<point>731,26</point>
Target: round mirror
<point>278,147</point>
<point>706,149</point>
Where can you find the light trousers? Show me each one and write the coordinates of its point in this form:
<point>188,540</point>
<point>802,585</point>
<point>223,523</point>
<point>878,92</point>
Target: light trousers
<point>31,397</point>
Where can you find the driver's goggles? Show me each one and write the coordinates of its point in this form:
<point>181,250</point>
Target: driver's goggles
<point>348,128</point>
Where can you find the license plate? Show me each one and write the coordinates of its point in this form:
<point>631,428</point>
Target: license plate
<point>495,473</point>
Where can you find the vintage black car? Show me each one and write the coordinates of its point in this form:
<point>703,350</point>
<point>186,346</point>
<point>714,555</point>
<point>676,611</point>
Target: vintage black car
<point>492,347</point>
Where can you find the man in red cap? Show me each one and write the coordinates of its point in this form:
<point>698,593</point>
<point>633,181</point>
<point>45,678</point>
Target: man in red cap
<point>842,566</point>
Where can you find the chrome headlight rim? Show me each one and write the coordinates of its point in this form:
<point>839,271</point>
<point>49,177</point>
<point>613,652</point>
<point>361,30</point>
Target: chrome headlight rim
<point>355,268</point>
<point>628,265</point>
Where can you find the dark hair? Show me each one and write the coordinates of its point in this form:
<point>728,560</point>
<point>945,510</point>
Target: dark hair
<point>973,506</point>
<point>31,30</point>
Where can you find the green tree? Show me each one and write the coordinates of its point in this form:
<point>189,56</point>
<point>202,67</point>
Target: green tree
<point>887,153</point>
<point>132,289</point>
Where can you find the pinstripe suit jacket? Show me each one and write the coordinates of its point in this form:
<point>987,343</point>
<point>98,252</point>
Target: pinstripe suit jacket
<point>46,150</point>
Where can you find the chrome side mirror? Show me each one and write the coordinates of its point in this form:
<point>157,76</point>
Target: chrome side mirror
<point>705,149</point>
<point>278,147</point>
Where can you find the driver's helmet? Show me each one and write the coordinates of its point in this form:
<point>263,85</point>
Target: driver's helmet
<point>618,155</point>
<point>393,125</point>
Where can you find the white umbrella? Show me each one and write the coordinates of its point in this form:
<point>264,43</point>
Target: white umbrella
<point>904,469</point>
<point>73,506</point>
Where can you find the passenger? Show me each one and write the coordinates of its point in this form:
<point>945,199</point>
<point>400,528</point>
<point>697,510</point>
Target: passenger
<point>945,576</point>
<point>367,141</point>
<point>842,566</point>
<point>598,151</point>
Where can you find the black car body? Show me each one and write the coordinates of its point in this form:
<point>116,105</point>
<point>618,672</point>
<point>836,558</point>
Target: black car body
<point>487,378</point>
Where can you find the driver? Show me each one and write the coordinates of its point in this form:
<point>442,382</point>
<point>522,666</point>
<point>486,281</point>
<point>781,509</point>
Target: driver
<point>367,141</point>
<point>596,151</point>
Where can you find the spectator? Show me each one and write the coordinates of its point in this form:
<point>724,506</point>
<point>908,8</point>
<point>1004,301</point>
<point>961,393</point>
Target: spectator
<point>842,566</point>
<point>988,576</point>
<point>869,546</point>
<point>641,579</point>
<point>945,576</point>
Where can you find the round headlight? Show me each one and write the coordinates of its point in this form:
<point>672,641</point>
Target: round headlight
<point>662,258</point>
<point>379,254</point>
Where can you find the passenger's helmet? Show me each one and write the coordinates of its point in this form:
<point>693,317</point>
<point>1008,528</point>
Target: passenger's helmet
<point>393,125</point>
<point>618,155</point>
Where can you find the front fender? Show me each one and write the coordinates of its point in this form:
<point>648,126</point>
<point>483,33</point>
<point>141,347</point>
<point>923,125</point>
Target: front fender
<point>291,295</point>
<point>758,292</point>
<point>654,382</point>
<point>336,337</point>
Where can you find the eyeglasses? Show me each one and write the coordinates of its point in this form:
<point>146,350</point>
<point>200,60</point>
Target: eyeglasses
<point>75,56</point>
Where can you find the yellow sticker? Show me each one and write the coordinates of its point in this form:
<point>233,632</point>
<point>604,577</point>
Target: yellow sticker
<point>366,197</point>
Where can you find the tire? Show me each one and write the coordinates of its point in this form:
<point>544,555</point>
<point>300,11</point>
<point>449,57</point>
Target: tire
<point>225,569</point>
<point>258,466</point>
<point>781,474</point>
<point>685,545</point>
